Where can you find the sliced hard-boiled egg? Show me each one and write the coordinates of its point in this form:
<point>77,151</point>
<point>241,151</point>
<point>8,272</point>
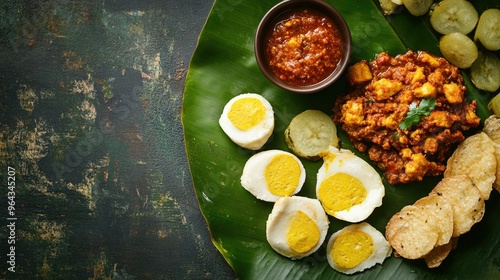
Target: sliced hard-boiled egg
<point>348,187</point>
<point>356,248</point>
<point>297,226</point>
<point>272,174</point>
<point>248,120</point>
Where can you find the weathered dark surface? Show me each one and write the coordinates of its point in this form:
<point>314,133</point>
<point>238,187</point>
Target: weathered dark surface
<point>90,104</point>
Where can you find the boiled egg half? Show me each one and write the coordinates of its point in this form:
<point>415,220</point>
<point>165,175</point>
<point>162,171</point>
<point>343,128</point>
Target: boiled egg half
<point>297,226</point>
<point>272,174</point>
<point>357,247</point>
<point>248,120</point>
<point>348,187</point>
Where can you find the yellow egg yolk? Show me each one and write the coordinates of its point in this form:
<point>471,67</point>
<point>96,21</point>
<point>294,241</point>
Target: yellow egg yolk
<point>352,248</point>
<point>328,159</point>
<point>303,233</point>
<point>246,113</point>
<point>341,191</point>
<point>282,175</point>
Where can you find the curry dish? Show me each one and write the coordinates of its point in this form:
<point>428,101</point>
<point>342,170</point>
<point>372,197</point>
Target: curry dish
<point>383,91</point>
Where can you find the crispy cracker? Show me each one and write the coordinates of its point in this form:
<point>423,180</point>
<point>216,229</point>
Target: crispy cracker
<point>492,129</point>
<point>465,197</point>
<point>439,253</point>
<point>439,212</point>
<point>475,157</point>
<point>410,235</point>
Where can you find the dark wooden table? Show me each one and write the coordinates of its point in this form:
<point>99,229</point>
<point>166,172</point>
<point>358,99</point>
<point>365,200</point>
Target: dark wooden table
<point>90,104</point>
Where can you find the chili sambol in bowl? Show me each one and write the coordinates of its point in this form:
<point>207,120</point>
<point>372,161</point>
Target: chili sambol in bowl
<point>302,46</point>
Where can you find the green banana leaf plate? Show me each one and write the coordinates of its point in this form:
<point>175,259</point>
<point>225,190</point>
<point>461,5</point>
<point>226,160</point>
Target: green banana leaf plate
<point>224,66</point>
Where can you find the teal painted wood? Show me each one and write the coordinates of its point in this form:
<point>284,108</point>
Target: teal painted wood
<point>90,102</point>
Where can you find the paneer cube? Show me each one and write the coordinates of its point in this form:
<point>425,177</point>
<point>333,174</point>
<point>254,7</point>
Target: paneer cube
<point>427,90</point>
<point>453,93</point>
<point>416,76</point>
<point>390,122</point>
<point>431,145</point>
<point>428,59</point>
<point>385,88</point>
<point>417,167</point>
<point>359,73</point>
<point>440,119</point>
<point>353,113</point>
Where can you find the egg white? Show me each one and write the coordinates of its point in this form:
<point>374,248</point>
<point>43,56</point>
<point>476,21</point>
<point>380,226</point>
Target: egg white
<point>344,161</point>
<point>253,178</point>
<point>255,137</point>
<point>284,211</point>
<point>381,248</point>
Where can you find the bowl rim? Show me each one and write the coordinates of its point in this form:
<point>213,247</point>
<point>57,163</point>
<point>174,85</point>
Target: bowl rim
<point>269,19</point>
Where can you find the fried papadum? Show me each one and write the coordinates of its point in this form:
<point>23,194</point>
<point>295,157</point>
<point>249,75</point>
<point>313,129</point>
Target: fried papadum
<point>475,157</point>
<point>465,197</point>
<point>439,253</point>
<point>439,213</point>
<point>492,129</point>
<point>410,233</point>
<point>429,228</point>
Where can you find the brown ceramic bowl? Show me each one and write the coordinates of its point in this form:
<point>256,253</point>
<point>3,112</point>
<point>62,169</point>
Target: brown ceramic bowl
<point>275,15</point>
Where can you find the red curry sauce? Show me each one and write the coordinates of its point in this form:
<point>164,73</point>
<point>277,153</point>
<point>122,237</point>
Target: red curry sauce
<point>304,47</point>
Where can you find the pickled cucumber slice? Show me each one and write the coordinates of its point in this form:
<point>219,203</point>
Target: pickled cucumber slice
<point>485,71</point>
<point>494,105</point>
<point>458,49</point>
<point>388,6</point>
<point>310,134</point>
<point>488,29</point>
<point>450,16</point>
<point>417,7</point>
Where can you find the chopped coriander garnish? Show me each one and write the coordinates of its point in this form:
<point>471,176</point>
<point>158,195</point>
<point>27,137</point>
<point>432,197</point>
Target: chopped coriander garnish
<point>415,114</point>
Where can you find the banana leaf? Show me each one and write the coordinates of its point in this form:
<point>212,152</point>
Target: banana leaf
<point>224,66</point>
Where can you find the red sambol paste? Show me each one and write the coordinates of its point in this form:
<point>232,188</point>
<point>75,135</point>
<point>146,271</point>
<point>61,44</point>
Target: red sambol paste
<point>304,47</point>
